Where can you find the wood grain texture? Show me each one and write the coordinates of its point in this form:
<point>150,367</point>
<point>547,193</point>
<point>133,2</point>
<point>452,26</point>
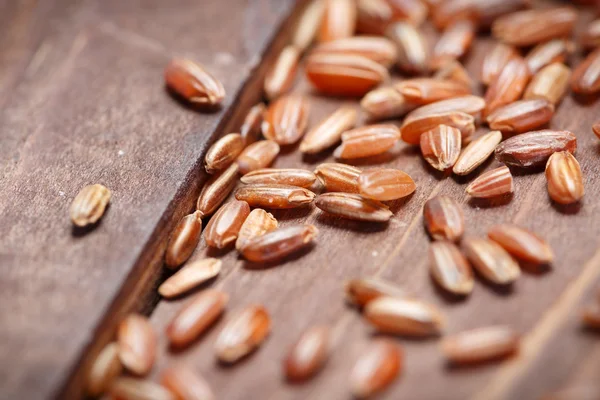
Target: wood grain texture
<point>83,101</point>
<point>307,290</point>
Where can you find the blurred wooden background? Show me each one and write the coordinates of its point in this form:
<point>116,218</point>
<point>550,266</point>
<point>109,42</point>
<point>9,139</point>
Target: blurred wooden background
<point>82,101</point>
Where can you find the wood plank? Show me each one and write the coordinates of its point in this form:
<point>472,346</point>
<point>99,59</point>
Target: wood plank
<point>560,347</point>
<point>307,290</point>
<point>122,108</point>
<point>83,101</point>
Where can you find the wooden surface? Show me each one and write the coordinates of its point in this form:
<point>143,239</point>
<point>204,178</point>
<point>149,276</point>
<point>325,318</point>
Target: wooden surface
<point>82,101</point>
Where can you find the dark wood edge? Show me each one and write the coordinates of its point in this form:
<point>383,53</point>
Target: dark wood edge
<point>138,292</point>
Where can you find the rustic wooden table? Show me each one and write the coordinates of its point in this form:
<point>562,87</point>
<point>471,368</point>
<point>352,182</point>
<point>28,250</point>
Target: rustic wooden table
<point>82,101</point>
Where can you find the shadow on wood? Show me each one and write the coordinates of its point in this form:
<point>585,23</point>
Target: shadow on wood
<point>492,202</point>
<point>356,226</point>
<point>252,265</point>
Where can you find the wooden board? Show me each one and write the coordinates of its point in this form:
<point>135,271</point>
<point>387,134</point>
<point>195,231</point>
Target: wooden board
<point>307,290</point>
<point>83,101</point>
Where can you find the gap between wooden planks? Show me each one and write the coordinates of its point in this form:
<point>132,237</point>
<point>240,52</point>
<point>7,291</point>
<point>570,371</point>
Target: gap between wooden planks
<point>138,292</point>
